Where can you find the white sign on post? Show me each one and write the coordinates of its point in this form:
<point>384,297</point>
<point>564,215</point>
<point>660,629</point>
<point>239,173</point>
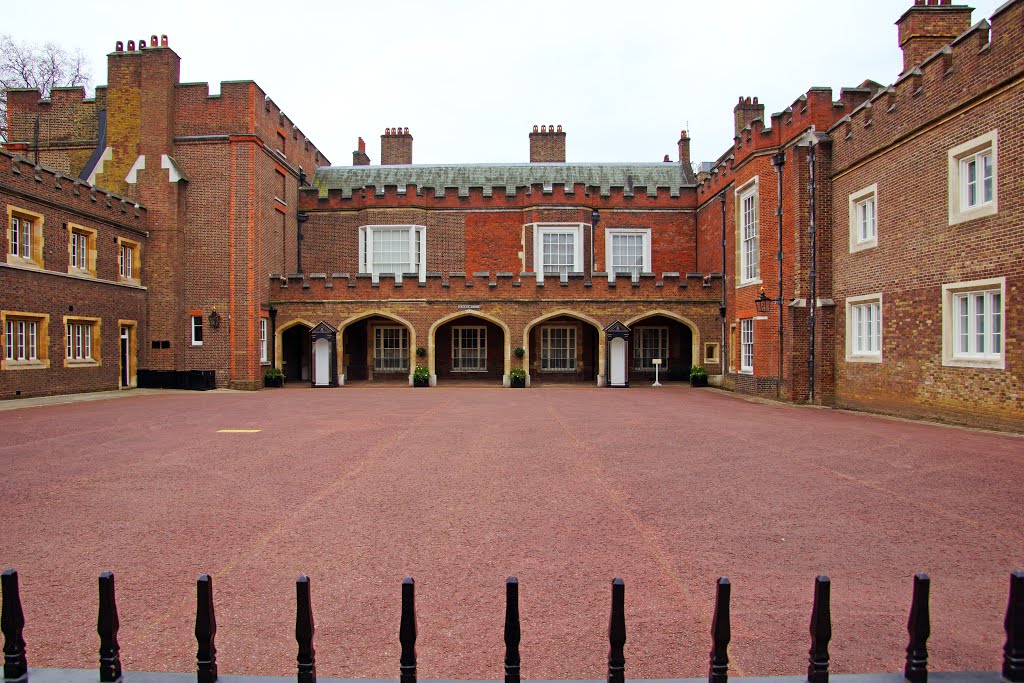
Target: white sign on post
<point>656,362</point>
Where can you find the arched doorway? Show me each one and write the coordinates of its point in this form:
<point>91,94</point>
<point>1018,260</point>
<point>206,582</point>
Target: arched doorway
<point>295,352</point>
<point>377,347</point>
<point>564,347</point>
<point>469,346</point>
<point>660,334</point>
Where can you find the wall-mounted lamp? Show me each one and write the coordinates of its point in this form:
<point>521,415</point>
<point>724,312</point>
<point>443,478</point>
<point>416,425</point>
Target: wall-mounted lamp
<point>764,304</point>
<point>214,319</point>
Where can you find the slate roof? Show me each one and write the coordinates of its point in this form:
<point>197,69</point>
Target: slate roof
<point>650,176</point>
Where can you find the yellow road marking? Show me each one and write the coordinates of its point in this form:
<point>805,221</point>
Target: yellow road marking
<point>238,431</point>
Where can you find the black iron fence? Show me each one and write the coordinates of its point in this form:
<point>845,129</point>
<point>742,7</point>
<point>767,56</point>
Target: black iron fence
<point>12,623</point>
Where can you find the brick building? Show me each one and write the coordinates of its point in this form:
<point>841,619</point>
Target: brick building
<point>864,250</point>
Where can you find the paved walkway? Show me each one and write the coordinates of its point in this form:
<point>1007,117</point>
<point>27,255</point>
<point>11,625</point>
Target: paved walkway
<point>564,487</point>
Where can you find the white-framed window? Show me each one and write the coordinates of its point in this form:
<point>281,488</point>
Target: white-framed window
<point>395,249</point>
<point>864,218</point>
<point>558,248</point>
<point>627,251</point>
<point>469,349</point>
<point>864,328</point>
<point>747,345</point>
<point>25,342</point>
<point>128,263</point>
<point>558,349</point>
<point>264,350</point>
<point>650,343</point>
<point>748,233</point>
<point>82,341</point>
<point>391,349</point>
<point>197,330</point>
<point>82,249</point>
<point>973,176</point>
<point>24,237</point>
<point>973,325</point>
<point>79,250</point>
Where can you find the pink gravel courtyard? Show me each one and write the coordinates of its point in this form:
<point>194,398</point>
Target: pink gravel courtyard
<point>460,487</point>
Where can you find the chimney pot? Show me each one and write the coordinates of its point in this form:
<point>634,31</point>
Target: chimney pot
<point>559,128</point>
<point>667,159</point>
<point>535,129</point>
<point>142,44</point>
<point>131,46</point>
<point>119,46</point>
<point>163,40</point>
<point>406,131</point>
<point>152,41</point>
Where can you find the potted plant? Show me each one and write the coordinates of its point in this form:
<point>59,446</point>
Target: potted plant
<point>517,378</point>
<point>519,351</point>
<point>698,376</point>
<point>273,377</point>
<point>421,376</point>
<point>421,352</point>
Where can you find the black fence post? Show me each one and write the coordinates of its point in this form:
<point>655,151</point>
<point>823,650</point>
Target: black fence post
<point>12,624</point>
<point>821,632</point>
<point>1013,650</point>
<point>721,634</point>
<point>512,631</point>
<point>617,634</point>
<point>107,625</point>
<point>304,630</point>
<point>920,629</point>
<point>407,632</point>
<point>206,631</point>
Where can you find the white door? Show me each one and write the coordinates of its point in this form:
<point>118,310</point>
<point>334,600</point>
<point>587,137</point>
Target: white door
<point>618,362</point>
<point>322,362</point>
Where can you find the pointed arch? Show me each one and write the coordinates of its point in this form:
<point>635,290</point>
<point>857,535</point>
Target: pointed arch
<point>583,317</point>
<point>694,332</point>
<point>279,331</point>
<point>376,312</point>
<point>431,346</point>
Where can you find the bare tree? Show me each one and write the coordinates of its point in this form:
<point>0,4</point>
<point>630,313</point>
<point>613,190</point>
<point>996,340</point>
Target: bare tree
<point>30,65</point>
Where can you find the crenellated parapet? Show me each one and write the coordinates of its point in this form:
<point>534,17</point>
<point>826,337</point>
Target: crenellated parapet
<point>19,176</point>
<point>980,59</point>
<point>469,287</point>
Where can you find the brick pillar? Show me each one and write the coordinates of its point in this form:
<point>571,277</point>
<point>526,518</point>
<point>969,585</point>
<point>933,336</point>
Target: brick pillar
<point>547,145</point>
<point>929,25</point>
<point>684,148</point>
<point>395,147</point>
<point>359,157</point>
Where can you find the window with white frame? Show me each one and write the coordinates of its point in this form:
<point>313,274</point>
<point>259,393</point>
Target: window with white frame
<point>558,249</point>
<point>650,343</point>
<point>82,340</point>
<point>128,263</point>
<point>864,218</point>
<point>25,341</point>
<point>864,328</point>
<point>24,237</point>
<point>82,248</point>
<point>79,250</point>
<point>973,175</point>
<point>628,251</point>
<point>973,326</point>
<point>748,234</point>
<point>747,345</point>
<point>558,349</point>
<point>469,349</point>
<point>396,249</point>
<point>197,330</point>
<point>391,349</point>
<point>264,355</point>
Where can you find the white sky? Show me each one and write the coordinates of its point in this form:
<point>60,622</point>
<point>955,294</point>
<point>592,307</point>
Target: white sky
<point>470,79</point>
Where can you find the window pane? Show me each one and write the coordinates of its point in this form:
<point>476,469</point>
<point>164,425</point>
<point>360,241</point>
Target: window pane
<point>627,253</point>
<point>391,349</point>
<point>390,252</point>
<point>986,161</point>
<point>749,251</point>
<point>558,252</point>
<point>979,323</point>
<point>996,306</point>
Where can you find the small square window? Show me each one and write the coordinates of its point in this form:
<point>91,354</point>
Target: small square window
<point>973,179</point>
<point>864,219</point>
<point>711,352</point>
<point>83,342</point>
<point>864,328</point>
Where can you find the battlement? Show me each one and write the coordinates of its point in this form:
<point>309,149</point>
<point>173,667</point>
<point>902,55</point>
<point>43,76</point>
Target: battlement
<point>66,116</point>
<point>697,287</point>
<point>978,60</point>
<point>20,176</point>
<point>815,108</point>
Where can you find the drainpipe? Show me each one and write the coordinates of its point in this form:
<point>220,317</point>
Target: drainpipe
<point>273,337</point>
<point>721,308</point>
<point>595,218</point>
<point>778,160</point>
<point>813,275</point>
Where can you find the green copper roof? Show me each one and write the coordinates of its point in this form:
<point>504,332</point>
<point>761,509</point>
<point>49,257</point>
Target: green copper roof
<point>671,175</point>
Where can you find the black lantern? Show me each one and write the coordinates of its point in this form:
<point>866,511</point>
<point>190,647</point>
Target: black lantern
<point>214,319</point>
<point>595,217</point>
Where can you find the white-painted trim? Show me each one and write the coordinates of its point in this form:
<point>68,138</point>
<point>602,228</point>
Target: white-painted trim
<point>948,290</point>
<point>751,187</point>
<point>851,355</point>
<point>107,155</point>
<point>133,172</point>
<point>957,215</point>
<point>416,233</point>
<point>174,173</point>
<point>540,229</point>
<point>610,232</point>
<point>869,192</point>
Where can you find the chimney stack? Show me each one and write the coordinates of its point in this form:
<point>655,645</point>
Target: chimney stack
<point>359,157</point>
<point>745,112</point>
<point>929,25</point>
<point>395,147</point>
<point>547,145</point>
<point>684,148</point>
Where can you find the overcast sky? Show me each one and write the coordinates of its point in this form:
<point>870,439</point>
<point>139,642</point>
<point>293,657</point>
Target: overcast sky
<point>470,79</point>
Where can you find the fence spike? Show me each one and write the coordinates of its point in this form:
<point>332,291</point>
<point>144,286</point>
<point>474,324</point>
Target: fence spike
<point>721,634</point>
<point>821,632</point>
<point>920,629</point>
<point>304,630</point>
<point>1013,650</point>
<point>512,631</point>
<point>407,632</point>
<point>12,624</point>
<point>107,625</point>
<point>206,631</point>
<point>617,633</point>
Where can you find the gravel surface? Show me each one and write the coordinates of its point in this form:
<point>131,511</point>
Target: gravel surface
<point>563,487</point>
